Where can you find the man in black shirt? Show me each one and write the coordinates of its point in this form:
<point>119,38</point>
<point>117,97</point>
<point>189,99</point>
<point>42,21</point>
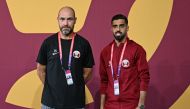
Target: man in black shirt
<point>64,63</point>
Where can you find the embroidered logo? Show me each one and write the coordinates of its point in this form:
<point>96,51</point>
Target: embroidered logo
<point>125,63</point>
<point>55,52</point>
<point>76,54</point>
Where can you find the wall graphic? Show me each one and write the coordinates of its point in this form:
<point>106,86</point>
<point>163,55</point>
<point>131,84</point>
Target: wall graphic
<point>161,26</point>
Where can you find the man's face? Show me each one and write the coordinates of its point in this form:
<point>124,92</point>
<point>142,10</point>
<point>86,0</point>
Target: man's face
<point>119,29</point>
<point>66,20</point>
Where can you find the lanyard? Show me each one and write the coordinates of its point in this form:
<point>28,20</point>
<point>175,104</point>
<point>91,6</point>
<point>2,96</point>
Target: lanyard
<point>71,49</point>
<point>120,61</point>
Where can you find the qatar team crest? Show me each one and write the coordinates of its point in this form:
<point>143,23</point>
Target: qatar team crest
<point>76,54</point>
<point>125,63</point>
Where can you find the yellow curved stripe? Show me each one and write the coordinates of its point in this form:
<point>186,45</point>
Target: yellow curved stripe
<point>148,20</point>
<point>183,102</point>
<point>26,92</point>
<point>39,16</point>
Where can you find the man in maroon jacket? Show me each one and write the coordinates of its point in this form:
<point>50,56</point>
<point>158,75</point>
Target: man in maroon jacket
<point>124,70</point>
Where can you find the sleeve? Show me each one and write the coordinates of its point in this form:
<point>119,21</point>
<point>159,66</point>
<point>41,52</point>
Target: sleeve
<point>143,69</point>
<point>88,57</point>
<point>103,75</point>
<point>42,55</point>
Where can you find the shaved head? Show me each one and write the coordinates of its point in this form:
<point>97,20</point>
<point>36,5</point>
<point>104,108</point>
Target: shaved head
<point>67,9</point>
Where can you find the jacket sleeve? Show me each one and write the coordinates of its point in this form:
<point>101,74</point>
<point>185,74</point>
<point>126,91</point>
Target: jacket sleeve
<point>143,69</point>
<point>103,75</point>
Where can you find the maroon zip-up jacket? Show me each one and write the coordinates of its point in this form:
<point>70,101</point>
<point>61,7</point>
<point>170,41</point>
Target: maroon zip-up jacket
<point>134,76</point>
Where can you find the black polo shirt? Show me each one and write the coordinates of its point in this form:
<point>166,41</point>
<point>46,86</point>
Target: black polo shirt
<point>56,92</point>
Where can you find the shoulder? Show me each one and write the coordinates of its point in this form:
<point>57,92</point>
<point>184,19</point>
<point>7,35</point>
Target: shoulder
<point>81,39</point>
<point>106,49</point>
<point>136,46</point>
<point>51,37</point>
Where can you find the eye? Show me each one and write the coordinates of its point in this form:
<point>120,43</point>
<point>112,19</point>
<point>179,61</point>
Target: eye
<point>71,19</point>
<point>114,26</point>
<point>122,25</point>
<point>61,18</point>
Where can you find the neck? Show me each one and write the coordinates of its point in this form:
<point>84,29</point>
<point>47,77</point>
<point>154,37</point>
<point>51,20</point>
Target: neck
<point>118,43</point>
<point>66,37</point>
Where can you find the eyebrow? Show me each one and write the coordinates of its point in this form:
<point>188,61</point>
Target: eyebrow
<point>114,25</point>
<point>69,18</point>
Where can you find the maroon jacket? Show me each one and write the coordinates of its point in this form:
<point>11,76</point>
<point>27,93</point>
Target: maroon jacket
<point>132,80</point>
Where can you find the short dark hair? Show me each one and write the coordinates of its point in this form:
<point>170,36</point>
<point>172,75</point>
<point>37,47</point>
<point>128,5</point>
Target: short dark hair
<point>119,16</point>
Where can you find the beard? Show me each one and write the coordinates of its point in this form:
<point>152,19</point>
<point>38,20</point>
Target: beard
<point>66,30</point>
<point>119,36</point>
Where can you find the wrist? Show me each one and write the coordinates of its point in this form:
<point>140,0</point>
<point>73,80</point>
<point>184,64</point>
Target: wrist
<point>141,106</point>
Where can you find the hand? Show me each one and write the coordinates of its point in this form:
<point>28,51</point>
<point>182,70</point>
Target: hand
<point>101,107</point>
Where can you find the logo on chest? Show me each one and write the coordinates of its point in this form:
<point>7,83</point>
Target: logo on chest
<point>55,52</point>
<point>76,54</point>
<point>125,63</point>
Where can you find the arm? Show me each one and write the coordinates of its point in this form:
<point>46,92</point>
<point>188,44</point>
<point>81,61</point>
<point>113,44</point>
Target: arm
<point>87,74</point>
<point>102,101</point>
<point>42,61</point>
<point>141,99</point>
<point>143,76</point>
<point>41,71</point>
<point>103,81</point>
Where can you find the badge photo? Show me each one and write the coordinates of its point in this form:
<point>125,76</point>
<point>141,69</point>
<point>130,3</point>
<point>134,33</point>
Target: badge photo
<point>116,87</point>
<point>125,63</point>
<point>76,54</point>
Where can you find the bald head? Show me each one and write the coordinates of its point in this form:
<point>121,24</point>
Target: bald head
<point>68,10</point>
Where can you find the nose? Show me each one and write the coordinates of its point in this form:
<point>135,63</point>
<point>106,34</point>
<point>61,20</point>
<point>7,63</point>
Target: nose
<point>118,28</point>
<point>65,22</point>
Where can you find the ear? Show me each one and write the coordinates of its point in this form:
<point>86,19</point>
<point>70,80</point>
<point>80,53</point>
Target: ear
<point>75,19</point>
<point>127,27</point>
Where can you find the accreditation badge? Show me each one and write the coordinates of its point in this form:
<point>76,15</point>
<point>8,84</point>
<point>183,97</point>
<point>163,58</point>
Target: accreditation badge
<point>116,87</point>
<point>69,77</point>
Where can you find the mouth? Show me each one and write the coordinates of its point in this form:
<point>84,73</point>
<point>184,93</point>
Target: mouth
<point>118,33</point>
<point>65,28</point>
